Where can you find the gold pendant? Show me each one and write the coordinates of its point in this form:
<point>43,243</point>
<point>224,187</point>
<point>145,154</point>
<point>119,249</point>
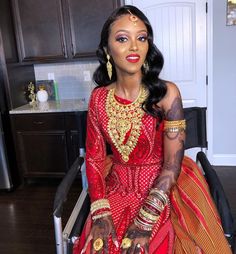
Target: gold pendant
<point>123,126</point>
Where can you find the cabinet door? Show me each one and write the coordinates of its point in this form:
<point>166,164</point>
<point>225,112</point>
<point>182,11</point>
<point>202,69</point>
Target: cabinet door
<point>42,153</point>
<point>86,19</point>
<point>73,146</point>
<point>39,29</point>
<point>6,27</point>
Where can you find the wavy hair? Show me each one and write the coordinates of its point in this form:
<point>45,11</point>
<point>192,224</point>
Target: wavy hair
<point>150,78</point>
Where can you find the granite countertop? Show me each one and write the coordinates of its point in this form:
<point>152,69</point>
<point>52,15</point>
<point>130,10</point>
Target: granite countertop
<point>52,106</point>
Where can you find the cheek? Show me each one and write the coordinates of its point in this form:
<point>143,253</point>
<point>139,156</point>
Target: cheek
<point>117,53</point>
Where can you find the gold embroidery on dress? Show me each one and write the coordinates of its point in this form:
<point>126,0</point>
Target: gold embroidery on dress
<point>124,118</point>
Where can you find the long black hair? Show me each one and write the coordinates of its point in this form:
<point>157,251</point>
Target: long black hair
<point>157,87</point>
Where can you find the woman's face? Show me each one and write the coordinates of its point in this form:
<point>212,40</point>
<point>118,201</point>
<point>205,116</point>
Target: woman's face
<point>128,44</point>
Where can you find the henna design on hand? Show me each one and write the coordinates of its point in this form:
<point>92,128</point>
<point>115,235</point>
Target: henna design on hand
<point>136,233</point>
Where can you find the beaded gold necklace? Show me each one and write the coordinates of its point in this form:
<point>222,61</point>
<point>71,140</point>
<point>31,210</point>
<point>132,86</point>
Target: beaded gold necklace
<point>124,118</point>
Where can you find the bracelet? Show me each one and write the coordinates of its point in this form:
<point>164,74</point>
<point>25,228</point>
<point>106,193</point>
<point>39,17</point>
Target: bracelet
<point>155,200</point>
<point>175,126</point>
<point>102,215</point>
<point>147,215</point>
<point>99,204</point>
<point>142,226</point>
<point>160,195</point>
<point>154,205</point>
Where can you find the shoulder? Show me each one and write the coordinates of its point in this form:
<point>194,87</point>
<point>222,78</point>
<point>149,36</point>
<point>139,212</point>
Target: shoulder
<point>172,100</point>
<point>172,90</point>
<point>97,92</point>
<point>97,97</point>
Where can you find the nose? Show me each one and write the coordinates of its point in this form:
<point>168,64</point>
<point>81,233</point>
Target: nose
<point>134,46</point>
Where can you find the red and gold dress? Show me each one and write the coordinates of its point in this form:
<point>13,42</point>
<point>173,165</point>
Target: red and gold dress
<point>193,226</point>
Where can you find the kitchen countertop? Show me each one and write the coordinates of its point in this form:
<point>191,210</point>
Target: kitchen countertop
<point>52,107</point>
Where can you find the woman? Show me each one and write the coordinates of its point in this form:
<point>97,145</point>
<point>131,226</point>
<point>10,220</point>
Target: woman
<point>150,201</point>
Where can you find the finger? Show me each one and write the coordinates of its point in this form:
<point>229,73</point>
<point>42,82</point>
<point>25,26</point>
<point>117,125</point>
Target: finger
<point>137,249</point>
<point>146,248</point>
<point>114,238</point>
<point>140,250</point>
<point>124,251</point>
<point>105,246</point>
<point>131,249</point>
<point>86,244</point>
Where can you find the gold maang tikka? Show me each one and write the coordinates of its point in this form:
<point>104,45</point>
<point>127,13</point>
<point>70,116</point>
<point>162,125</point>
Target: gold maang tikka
<point>133,18</point>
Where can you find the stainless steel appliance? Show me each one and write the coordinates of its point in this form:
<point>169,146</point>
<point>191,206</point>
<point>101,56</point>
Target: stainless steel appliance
<point>5,176</point>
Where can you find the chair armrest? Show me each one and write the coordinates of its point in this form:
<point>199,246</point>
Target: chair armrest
<point>65,185</point>
<point>219,197</point>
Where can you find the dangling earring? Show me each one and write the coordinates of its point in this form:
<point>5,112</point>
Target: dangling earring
<point>145,67</point>
<point>109,67</point>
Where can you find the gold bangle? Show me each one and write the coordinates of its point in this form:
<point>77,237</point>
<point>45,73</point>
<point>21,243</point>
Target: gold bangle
<point>146,219</point>
<point>102,215</point>
<point>98,208</point>
<point>99,204</point>
<point>175,126</point>
<point>149,216</point>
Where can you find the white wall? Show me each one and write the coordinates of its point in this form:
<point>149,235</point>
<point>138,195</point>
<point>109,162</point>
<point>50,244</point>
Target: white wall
<point>223,87</point>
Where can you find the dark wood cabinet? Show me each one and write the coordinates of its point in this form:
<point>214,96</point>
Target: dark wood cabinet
<point>86,19</point>
<point>42,153</point>
<point>47,143</point>
<point>6,27</point>
<point>55,30</point>
<point>40,29</point>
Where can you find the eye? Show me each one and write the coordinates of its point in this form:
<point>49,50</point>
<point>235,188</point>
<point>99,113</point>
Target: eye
<point>142,38</point>
<point>121,39</point>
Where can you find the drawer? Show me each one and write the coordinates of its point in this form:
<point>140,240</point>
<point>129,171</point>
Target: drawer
<point>47,121</point>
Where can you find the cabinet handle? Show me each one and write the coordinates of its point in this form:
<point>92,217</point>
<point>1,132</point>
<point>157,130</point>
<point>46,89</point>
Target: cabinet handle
<point>38,122</point>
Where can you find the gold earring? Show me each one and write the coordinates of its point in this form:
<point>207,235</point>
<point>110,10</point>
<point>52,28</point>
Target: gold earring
<point>145,66</point>
<point>109,67</point>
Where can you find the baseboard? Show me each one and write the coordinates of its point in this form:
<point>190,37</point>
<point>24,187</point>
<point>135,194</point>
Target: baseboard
<point>224,160</point>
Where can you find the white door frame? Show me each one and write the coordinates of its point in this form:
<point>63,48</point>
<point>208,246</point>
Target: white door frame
<point>210,80</point>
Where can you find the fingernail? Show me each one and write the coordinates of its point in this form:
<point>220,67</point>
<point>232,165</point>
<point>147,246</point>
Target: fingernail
<point>116,244</point>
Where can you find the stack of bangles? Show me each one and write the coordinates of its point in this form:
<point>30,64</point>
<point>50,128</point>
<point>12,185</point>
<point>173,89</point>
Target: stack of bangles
<point>151,210</point>
<point>100,208</point>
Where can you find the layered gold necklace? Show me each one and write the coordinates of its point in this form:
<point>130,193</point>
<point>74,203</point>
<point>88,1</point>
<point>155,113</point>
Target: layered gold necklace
<point>124,118</point>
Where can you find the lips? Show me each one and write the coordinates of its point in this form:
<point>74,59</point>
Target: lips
<point>133,58</point>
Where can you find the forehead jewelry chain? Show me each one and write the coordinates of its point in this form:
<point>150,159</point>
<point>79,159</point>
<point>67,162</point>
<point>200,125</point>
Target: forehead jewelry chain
<point>133,18</point>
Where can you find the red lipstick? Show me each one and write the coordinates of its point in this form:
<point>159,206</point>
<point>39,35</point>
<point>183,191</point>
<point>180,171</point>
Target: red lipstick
<point>133,58</point>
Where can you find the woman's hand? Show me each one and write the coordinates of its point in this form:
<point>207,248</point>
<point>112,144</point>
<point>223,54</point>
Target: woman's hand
<point>102,228</point>
<point>139,241</point>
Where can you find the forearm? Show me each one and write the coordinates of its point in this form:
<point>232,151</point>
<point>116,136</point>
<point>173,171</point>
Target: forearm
<point>170,171</point>
<point>95,154</point>
<point>156,207</point>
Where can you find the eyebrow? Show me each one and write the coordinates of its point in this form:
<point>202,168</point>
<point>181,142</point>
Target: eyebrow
<point>127,31</point>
